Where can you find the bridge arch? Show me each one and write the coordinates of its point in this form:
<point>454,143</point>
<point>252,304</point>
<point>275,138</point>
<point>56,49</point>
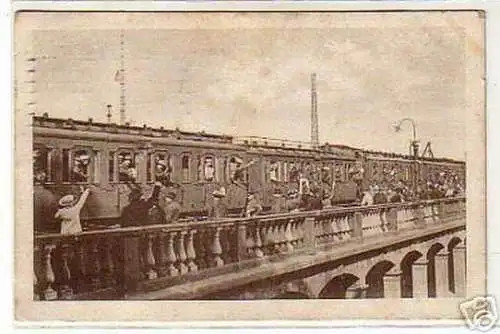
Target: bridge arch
<point>337,287</point>
<point>375,279</point>
<point>432,270</point>
<point>453,245</point>
<point>406,266</point>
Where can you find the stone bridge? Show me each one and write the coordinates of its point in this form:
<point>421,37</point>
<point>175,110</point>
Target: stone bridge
<point>399,250</point>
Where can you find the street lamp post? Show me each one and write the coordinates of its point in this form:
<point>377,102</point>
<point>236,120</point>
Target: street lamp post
<point>414,146</point>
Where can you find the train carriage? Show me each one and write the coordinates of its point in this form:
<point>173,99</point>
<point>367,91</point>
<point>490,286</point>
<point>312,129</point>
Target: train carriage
<point>116,159</point>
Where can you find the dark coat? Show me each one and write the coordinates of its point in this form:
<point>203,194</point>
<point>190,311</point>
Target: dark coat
<point>172,212</point>
<point>44,208</point>
<point>379,198</point>
<point>138,212</point>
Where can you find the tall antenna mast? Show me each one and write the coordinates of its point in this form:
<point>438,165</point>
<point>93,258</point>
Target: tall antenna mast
<point>122,80</point>
<point>314,113</point>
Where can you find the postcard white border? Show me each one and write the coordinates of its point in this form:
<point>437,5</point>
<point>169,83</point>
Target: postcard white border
<point>493,29</point>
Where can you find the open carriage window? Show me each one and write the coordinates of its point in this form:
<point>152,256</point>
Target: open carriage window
<point>274,171</point>
<point>293,172</point>
<point>43,170</point>
<point>207,169</point>
<point>236,174</point>
<point>78,165</point>
<point>162,167</point>
<point>127,166</point>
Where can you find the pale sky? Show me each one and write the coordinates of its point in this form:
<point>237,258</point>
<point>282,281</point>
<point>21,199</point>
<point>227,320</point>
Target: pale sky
<point>257,82</point>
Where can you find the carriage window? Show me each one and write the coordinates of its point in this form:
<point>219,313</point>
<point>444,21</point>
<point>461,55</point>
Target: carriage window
<point>111,167</point>
<point>80,169</point>
<point>207,169</point>
<point>235,172</point>
<point>43,170</point>
<point>163,168</point>
<point>273,171</point>
<point>185,168</point>
<point>127,169</point>
<point>293,172</point>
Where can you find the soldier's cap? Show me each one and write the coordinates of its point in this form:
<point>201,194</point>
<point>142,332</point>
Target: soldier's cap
<point>171,195</point>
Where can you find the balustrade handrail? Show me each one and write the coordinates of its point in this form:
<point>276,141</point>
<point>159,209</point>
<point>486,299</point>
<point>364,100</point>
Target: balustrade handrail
<point>175,227</point>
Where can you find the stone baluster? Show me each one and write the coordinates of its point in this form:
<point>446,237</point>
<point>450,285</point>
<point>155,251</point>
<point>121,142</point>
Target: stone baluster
<point>171,257</point>
<point>181,253</point>
<point>381,224</point>
<point>95,270</point>
<point>357,225</point>
<point>150,258</point>
<point>191,252</point>
<point>335,229</point>
<point>347,230</point>
<point>65,291</point>
<point>294,232</point>
<point>309,236</point>
<point>200,249</point>
<point>109,264</point>
<point>161,267</point>
<point>49,277</point>
<point>366,226</point>
<point>288,236</point>
<point>428,212</point>
<point>80,273</point>
<point>250,241</point>
<point>241,248</point>
<point>258,241</point>
<point>217,249</point>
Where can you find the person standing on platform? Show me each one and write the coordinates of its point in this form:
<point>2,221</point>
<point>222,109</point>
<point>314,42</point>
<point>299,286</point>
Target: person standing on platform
<point>279,202</point>
<point>219,207</point>
<point>69,213</point>
<point>378,197</point>
<point>293,201</point>
<point>172,208</point>
<point>137,212</point>
<point>254,207</point>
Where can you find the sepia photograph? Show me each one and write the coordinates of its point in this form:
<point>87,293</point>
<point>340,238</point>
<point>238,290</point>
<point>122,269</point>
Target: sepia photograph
<point>250,157</point>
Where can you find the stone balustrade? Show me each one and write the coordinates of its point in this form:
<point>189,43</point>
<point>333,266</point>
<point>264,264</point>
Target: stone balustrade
<point>108,264</point>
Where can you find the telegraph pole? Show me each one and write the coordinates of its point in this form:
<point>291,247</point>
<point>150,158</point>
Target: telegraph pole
<point>314,113</point>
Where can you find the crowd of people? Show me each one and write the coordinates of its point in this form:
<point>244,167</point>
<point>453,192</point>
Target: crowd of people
<point>161,205</point>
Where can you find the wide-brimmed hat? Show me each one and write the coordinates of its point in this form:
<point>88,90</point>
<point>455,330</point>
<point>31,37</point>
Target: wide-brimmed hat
<point>238,160</point>
<point>67,200</point>
<point>221,192</point>
<point>325,168</point>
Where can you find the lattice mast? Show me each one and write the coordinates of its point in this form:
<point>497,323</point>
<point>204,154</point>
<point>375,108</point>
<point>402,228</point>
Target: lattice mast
<point>314,113</point>
<point>122,80</point>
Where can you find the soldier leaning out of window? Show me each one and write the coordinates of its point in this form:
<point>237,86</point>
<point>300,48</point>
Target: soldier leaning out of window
<point>139,210</point>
